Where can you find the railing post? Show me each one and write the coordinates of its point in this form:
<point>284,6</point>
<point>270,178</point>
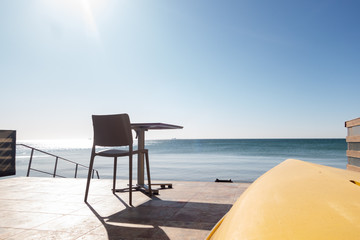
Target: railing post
<point>56,162</point>
<point>31,156</point>
<point>76,169</point>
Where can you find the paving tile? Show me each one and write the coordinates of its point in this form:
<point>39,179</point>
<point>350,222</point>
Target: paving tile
<point>42,235</point>
<point>116,230</point>
<point>178,233</point>
<point>7,194</point>
<point>54,207</point>
<point>6,233</point>
<point>71,223</point>
<point>95,237</point>
<point>201,214</point>
<point>208,207</point>
<point>146,213</point>
<point>164,203</point>
<point>26,220</point>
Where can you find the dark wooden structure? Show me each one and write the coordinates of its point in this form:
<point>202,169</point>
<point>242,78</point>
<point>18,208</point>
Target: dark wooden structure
<point>7,152</point>
<point>353,141</point>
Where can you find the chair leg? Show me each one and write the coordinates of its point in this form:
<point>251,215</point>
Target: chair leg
<point>130,180</point>
<point>114,175</point>
<point>148,172</point>
<point>89,176</point>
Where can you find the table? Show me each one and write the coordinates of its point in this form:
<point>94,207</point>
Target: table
<point>140,129</point>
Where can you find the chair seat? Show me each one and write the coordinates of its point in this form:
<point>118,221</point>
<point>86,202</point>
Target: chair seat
<point>113,153</point>
<point>118,152</point>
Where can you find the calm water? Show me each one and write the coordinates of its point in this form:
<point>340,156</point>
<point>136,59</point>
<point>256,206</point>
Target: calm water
<point>241,160</point>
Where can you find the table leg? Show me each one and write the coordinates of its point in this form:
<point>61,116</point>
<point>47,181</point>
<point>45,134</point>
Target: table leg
<point>140,170</point>
<point>141,145</point>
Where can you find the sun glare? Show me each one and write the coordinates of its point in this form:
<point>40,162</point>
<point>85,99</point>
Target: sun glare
<point>89,16</point>
<point>72,12</point>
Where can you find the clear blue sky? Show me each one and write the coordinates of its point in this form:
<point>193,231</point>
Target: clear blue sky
<point>222,69</point>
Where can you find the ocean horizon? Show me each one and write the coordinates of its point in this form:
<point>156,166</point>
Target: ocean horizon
<point>241,160</point>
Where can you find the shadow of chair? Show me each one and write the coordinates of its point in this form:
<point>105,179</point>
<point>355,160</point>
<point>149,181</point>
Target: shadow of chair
<point>114,132</point>
<point>161,219</point>
<point>124,229</point>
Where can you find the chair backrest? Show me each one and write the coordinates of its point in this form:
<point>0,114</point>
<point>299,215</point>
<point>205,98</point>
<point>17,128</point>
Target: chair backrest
<point>112,130</point>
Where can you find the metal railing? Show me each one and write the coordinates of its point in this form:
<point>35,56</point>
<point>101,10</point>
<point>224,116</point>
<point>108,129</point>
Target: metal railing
<point>57,158</point>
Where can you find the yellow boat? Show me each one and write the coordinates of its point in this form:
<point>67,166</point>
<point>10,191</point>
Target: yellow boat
<point>296,200</point>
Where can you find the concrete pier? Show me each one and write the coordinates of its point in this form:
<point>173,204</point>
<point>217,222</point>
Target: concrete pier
<point>53,208</point>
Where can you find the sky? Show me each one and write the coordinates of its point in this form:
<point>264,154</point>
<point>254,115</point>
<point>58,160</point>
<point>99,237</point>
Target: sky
<point>220,69</point>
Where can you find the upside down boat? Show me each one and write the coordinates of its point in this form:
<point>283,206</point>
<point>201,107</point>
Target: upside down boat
<point>296,200</point>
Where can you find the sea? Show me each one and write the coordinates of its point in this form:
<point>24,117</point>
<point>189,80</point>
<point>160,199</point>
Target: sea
<point>238,160</point>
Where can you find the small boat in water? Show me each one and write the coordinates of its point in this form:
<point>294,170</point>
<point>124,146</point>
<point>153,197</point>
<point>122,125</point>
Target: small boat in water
<point>296,200</point>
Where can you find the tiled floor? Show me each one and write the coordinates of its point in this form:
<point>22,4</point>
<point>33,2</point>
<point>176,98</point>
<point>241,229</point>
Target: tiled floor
<point>48,208</point>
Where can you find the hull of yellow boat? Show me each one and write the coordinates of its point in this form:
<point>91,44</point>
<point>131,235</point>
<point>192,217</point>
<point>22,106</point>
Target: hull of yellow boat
<point>296,200</point>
